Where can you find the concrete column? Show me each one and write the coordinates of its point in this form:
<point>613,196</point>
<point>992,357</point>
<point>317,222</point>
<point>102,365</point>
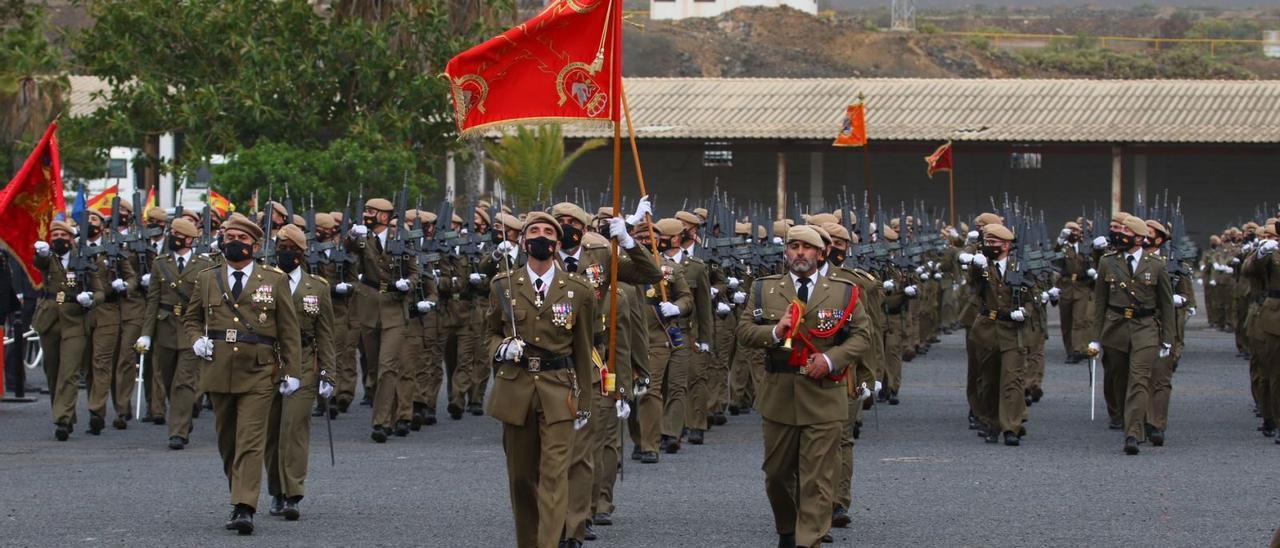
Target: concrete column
<point>166,153</point>
<point>1140,181</point>
<point>816,202</point>
<point>1116,170</point>
<point>781,212</point>
<point>450,177</point>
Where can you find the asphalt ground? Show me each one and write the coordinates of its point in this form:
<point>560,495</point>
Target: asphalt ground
<point>922,478</point>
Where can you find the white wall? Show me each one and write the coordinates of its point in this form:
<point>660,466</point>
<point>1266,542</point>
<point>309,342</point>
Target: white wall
<point>683,9</point>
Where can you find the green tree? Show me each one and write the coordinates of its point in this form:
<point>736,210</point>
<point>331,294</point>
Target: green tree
<point>33,83</point>
<point>531,162</point>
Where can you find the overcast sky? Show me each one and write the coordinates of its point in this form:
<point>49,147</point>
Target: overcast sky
<point>1107,3</point>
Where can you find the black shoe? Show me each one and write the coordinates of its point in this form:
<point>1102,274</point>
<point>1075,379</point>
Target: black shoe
<point>1036,394</point>
<point>455,411</point>
<point>973,421</point>
<point>401,429</point>
<point>602,519</point>
<point>1026,398</point>
<point>662,443</point>
<point>231,521</point>
<point>333,410</point>
<point>1011,439</point>
<point>1268,429</point>
<point>291,511</point>
<point>159,421</point>
<point>61,432</point>
<point>787,541</point>
<point>590,533</point>
<point>883,396</point>
<point>208,403</point>
<point>176,443</point>
<point>827,538</point>
<point>343,405</point>
<point>416,423</point>
<point>277,506</point>
<point>840,517</point>
<point>242,520</point>
<point>673,446</point>
<point>475,409</point>
<point>893,398</point>
<point>1157,437</point>
<point>1131,445</point>
<point>367,401</point>
<point>120,423</point>
<point>857,431</point>
<point>695,437</point>
<point>147,418</point>
<point>379,434</point>
<point>733,410</point>
<point>318,411</point>
<point>635,452</point>
<point>719,419</point>
<point>1115,424</point>
<point>991,436</point>
<point>649,457</point>
<point>429,418</point>
<point>96,424</point>
<point>570,543</point>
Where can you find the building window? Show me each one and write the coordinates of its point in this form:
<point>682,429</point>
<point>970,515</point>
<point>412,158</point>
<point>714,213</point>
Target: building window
<point>117,168</point>
<point>1024,160</point>
<point>717,154</point>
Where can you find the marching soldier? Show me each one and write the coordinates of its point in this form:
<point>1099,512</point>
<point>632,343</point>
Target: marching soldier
<point>1132,327</point>
<point>1263,265</point>
<point>157,222</point>
<point>133,305</point>
<point>341,279</point>
<point>897,301</point>
<point>107,317</point>
<point>62,320</point>
<point>1075,289</point>
<point>661,410</point>
<point>289,425</point>
<point>804,400</point>
<point>1000,336</point>
<point>1184,300</point>
<point>242,323</point>
<point>700,277</point>
<point>540,334</point>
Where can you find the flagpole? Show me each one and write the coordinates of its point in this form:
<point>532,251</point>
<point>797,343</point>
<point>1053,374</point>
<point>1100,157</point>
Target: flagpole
<point>635,154</point>
<point>951,183</point>
<point>613,257</point>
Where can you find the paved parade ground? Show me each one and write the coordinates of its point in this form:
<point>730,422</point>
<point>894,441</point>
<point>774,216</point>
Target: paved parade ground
<point>922,478</point>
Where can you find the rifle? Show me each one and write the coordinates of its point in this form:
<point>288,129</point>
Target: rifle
<point>315,249</point>
<point>339,256</point>
<point>205,244</point>
<point>138,239</point>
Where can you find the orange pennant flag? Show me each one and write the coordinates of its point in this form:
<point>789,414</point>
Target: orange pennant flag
<point>940,160</point>
<point>101,202</point>
<point>854,131</point>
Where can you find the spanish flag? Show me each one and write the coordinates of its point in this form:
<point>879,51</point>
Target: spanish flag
<point>151,201</point>
<point>940,160</point>
<point>101,202</point>
<point>853,133</point>
<point>220,203</point>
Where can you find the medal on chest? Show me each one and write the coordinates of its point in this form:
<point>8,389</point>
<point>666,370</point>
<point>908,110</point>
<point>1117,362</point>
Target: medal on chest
<point>263,295</point>
<point>828,318</point>
<point>537,299</point>
<point>311,304</point>
<point>562,315</point>
<point>71,278</point>
<point>594,274</point>
<point>667,272</point>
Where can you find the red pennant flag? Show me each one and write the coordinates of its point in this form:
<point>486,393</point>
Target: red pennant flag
<point>101,202</point>
<point>940,160</point>
<point>854,131</point>
<point>564,64</point>
<point>30,201</point>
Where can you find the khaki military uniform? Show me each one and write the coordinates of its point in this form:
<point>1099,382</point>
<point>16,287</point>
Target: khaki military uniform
<point>538,397</point>
<point>802,416</point>
<point>1000,346</point>
<point>866,369</point>
<point>63,326</point>
<point>691,411</point>
<point>656,418</point>
<point>346,331</point>
<point>1075,291</point>
<point>107,318</point>
<point>1264,330</point>
<point>177,367</point>
<point>1162,371</point>
<point>252,351</point>
<point>382,311</point>
<point>897,328</point>
<point>443,327</point>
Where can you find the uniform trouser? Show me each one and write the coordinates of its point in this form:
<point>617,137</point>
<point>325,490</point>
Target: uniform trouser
<point>798,477</point>
<point>382,345</point>
<point>345,373</point>
<point>745,375</point>
<point>1242,312</point>
<point>608,431</point>
<point>63,353</point>
<point>411,366</point>
<point>241,423</point>
<point>126,369</point>
<point>582,473</point>
<point>844,465</point>
<point>105,341</point>
<point>650,407</point>
<point>675,387</point>
<point>1269,373</point>
<point>289,435</point>
<point>947,304</point>
<point>537,476</point>
<point>696,409</point>
<point>973,374</point>
<point>722,349</point>
<point>479,363</point>
<point>1035,359</point>
<point>1002,402</point>
<point>182,393</point>
<point>1161,390</point>
<point>1127,383</point>
<point>1074,314</point>
<point>894,344</point>
<point>431,375</point>
<point>163,363</point>
<point>464,369</point>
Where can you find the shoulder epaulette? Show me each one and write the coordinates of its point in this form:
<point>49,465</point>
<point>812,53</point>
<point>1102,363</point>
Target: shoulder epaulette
<point>319,279</point>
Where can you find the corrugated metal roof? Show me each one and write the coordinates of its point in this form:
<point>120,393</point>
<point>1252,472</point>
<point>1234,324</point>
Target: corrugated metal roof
<point>1106,111</point>
<point>82,98</point>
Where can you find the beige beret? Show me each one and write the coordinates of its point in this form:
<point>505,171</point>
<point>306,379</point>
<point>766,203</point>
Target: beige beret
<point>278,207</point>
<point>456,218</point>
<point>836,230</point>
<point>568,209</point>
<point>805,234</point>
<point>604,213</point>
<point>761,233</point>
<point>337,216</point>
<point>126,206</point>
<point>701,212</point>
<point>241,223</point>
<point>510,222</point>
<point>195,215</point>
<point>185,228</point>
<point>668,227</point>
<point>299,221</point>
<point>890,234</point>
<point>987,219</point>
<point>427,217</point>
<point>780,228</point>
<point>822,218</point>
<point>999,231</point>
<point>63,226</point>
<point>1071,225</point>
<point>484,215</point>
<point>822,232</point>
<point>1215,240</point>
<point>156,214</point>
<point>1119,217</point>
<point>536,217</point>
<point>1138,226</point>
<point>380,204</point>
<point>325,221</point>
<point>1155,225</point>
<point>691,218</point>
<point>742,229</point>
<point>293,234</point>
<point>1269,230</point>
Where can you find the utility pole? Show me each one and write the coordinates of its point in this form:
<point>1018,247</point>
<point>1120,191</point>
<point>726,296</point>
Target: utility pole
<point>903,15</point>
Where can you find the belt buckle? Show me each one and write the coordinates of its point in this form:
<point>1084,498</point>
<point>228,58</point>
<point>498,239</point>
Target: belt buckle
<point>177,310</point>
<point>994,314</point>
<point>1128,313</point>
<point>231,336</point>
<point>1074,277</point>
<point>382,287</point>
<point>535,364</point>
<point>61,297</point>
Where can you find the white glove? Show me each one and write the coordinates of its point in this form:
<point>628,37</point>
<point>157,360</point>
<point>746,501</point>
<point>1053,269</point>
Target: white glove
<point>1191,311</point>
<point>1054,293</point>
<point>85,299</point>
<point>642,208</point>
<point>288,385</point>
<point>1213,283</point>
<point>966,258</point>
<point>618,231</point>
<point>360,230</point>
<point>342,288</point>
<point>1165,350</point>
<point>143,344</point>
<point>119,285</point>
<point>402,285</point>
<point>937,275</point>
<point>889,285</point>
<point>1065,232</point>
<point>739,297</point>
<point>910,290</point>
<point>580,422</point>
<point>1179,301</point>
<point>669,309</point>
<point>919,270</point>
<point>146,280</point>
<point>624,408</point>
<point>1095,348</point>
<point>1018,316</point>
<point>1268,246</point>
<point>1091,273</point>
<point>1044,297</point>
<point>475,278</point>
<point>863,392</point>
<point>1247,247</point>
<point>510,350</point>
<point>732,282</point>
<point>326,389</point>
<point>1234,261</point>
<point>1100,242</point>
<point>42,249</point>
<point>641,388</point>
<point>505,248</point>
<point>722,309</point>
<point>715,291</point>
<point>703,347</point>
<point>777,240</point>
<point>973,236</point>
<point>930,264</point>
<point>980,261</point>
<point>1200,282</point>
<point>203,348</point>
<point>425,306</point>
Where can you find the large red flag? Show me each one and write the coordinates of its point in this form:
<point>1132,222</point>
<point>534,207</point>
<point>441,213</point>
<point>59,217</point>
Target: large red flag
<point>29,202</point>
<point>564,64</point>
<point>940,160</point>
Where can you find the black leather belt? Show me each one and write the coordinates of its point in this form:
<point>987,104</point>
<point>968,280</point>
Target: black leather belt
<point>534,362</point>
<point>897,310</point>
<point>174,308</point>
<point>236,336</point>
<point>308,340</point>
<point>1273,294</point>
<point>997,315</point>
<point>47,294</point>
<point>381,287</point>
<point>1133,312</point>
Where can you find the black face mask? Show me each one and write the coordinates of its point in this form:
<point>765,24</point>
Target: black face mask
<point>570,236</point>
<point>495,237</point>
<point>1073,238</point>
<point>370,222</point>
<point>236,251</point>
<point>60,246</point>
<point>837,257</point>
<point>94,231</point>
<point>664,245</point>
<point>176,244</point>
<point>153,226</point>
<point>991,252</point>
<point>1117,239</point>
<point>540,248</point>
<point>288,259</point>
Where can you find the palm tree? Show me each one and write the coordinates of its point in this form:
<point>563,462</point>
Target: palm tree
<point>33,87</point>
<point>531,162</point>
